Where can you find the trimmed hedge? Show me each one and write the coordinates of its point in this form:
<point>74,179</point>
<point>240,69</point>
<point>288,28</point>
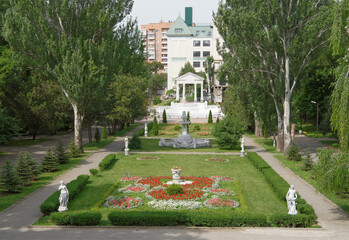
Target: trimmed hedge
<point>141,132</point>
<point>51,204</point>
<point>286,220</point>
<point>257,161</point>
<point>77,218</point>
<point>106,162</point>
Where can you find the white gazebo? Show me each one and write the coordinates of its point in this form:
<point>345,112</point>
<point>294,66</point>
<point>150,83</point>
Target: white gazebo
<point>188,79</point>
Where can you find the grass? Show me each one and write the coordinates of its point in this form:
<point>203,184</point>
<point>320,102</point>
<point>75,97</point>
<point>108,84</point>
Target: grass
<point>310,130</point>
<point>125,130</point>
<point>298,168</point>
<point>334,144</point>
<point>152,145</point>
<point>4,153</point>
<point>259,197</point>
<point>6,200</point>
<point>168,130</point>
<point>25,142</point>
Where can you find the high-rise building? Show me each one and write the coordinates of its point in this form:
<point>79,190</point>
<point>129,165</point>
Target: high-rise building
<point>156,42</point>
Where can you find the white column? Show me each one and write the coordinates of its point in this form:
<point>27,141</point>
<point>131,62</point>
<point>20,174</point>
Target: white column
<point>184,92</point>
<point>202,92</point>
<point>177,92</point>
<point>195,94</point>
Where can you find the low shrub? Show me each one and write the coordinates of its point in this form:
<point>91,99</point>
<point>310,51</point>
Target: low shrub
<point>74,151</point>
<point>305,208</point>
<point>157,100</point>
<point>51,204</point>
<point>174,189</point>
<point>155,128</point>
<point>77,218</point>
<point>148,218</point>
<point>286,220</point>
<point>277,183</point>
<point>197,128</point>
<point>61,153</point>
<point>257,161</point>
<point>106,162</point>
<point>93,171</point>
<point>177,128</point>
<point>294,152</point>
<point>135,142</point>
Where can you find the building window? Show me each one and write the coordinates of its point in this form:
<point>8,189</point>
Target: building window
<point>196,64</point>
<point>203,32</point>
<point>157,30</point>
<point>197,33</point>
<point>196,43</point>
<point>206,53</point>
<point>178,30</point>
<point>209,33</point>
<point>206,43</point>
<point>196,54</point>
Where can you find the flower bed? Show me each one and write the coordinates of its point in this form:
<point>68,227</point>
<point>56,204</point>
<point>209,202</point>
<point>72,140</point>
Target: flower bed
<point>216,203</point>
<point>148,158</point>
<point>123,202</point>
<point>216,160</point>
<point>222,192</point>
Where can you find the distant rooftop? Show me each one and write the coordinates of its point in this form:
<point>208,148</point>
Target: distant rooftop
<point>180,28</point>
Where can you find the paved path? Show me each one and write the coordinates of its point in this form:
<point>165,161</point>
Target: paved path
<point>15,222</point>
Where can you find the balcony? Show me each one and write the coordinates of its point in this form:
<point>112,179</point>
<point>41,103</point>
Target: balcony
<point>151,36</point>
<point>151,57</point>
<point>164,61</point>
<point>151,46</point>
<point>164,40</point>
<point>164,46</point>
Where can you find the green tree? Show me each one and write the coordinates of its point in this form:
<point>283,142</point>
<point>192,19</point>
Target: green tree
<point>104,133</point>
<point>210,120</point>
<point>8,128</point>
<point>74,151</point>
<point>188,116</point>
<point>209,70</point>
<point>186,68</point>
<point>22,168</point>
<point>49,162</point>
<point>274,41</point>
<point>10,179</point>
<point>61,153</point>
<point>32,165</point>
<point>77,42</point>
<point>155,127</point>
<point>164,117</point>
<point>97,135</point>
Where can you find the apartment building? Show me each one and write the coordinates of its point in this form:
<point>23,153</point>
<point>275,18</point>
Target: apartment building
<point>156,42</point>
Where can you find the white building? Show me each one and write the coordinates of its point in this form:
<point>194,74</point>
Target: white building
<point>192,43</point>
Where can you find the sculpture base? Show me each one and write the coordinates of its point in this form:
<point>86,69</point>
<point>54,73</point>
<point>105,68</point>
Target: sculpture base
<point>62,209</point>
<point>185,141</point>
<point>126,151</point>
<point>179,182</point>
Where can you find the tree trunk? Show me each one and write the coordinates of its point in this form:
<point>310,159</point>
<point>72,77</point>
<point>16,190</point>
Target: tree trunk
<point>280,138</point>
<point>258,131</point>
<point>34,135</point>
<point>89,130</point>
<point>300,120</point>
<point>287,106</point>
<point>78,118</point>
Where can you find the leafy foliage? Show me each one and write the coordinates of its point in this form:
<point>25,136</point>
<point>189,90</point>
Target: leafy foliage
<point>93,171</point>
<point>185,69</point>
<point>164,116</point>
<point>77,218</point>
<point>174,189</point>
<point>104,133</point>
<point>135,142</point>
<point>97,135</point>
<point>10,179</point>
<point>106,162</point>
<point>73,149</point>
<point>8,128</point>
<point>293,152</point>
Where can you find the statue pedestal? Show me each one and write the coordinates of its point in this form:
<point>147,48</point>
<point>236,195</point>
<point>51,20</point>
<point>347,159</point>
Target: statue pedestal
<point>62,209</point>
<point>127,151</point>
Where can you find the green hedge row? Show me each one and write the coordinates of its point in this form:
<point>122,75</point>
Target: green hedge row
<point>141,132</point>
<point>77,218</point>
<point>280,187</point>
<point>106,162</point>
<point>207,219</point>
<point>74,187</point>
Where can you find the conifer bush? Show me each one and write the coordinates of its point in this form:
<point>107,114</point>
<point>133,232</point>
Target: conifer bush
<point>210,121</point>
<point>97,135</point>
<point>294,152</point>
<point>49,162</point>
<point>22,168</point>
<point>217,121</point>
<point>188,116</point>
<point>164,117</point>
<point>155,127</point>
<point>174,189</point>
<point>10,179</point>
<point>93,171</point>
<point>33,166</point>
<point>135,142</point>
<point>104,133</point>
<point>61,153</point>
<point>73,149</point>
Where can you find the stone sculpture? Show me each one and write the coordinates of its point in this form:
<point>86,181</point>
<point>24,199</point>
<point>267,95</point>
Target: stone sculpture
<point>145,130</point>
<point>291,197</point>
<point>126,146</point>
<point>63,197</point>
<point>242,154</point>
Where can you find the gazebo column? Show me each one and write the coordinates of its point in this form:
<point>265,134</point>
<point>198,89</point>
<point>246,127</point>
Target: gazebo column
<point>195,93</point>
<point>202,93</point>
<point>184,92</point>
<point>177,92</point>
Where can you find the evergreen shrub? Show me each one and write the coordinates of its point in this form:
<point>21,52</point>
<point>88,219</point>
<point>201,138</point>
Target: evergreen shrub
<point>74,151</point>
<point>135,142</point>
<point>9,178</point>
<point>77,218</point>
<point>217,121</point>
<point>106,162</point>
<point>51,204</point>
<point>210,118</point>
<point>197,128</point>
<point>93,171</point>
<point>49,162</point>
<point>294,152</point>
<point>23,169</point>
<point>177,128</point>
<point>155,127</point>
<point>174,189</point>
<point>164,116</point>
<point>61,153</point>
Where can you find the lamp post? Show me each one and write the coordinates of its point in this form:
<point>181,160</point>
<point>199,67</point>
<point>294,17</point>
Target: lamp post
<point>317,118</point>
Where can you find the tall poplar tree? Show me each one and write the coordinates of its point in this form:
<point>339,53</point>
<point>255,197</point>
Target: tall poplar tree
<point>274,41</point>
<point>74,41</point>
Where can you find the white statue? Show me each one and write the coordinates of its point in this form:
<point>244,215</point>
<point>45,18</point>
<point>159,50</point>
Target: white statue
<point>145,130</point>
<point>126,146</point>
<point>63,198</point>
<point>291,197</point>
<point>242,154</point>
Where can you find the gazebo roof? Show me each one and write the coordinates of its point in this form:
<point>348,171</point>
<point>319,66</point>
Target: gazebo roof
<point>189,78</point>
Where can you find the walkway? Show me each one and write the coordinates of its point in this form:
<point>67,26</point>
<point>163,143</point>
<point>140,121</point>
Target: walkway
<point>15,223</point>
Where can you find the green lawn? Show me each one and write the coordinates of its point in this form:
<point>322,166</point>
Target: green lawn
<point>334,144</point>
<point>152,145</point>
<point>7,200</point>
<point>259,197</point>
<point>310,130</point>
<point>25,142</point>
<point>4,153</point>
<point>168,130</point>
<point>298,168</point>
<point>123,132</point>
<point>267,144</point>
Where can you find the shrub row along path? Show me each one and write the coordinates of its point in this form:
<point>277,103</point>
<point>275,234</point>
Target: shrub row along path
<point>16,222</point>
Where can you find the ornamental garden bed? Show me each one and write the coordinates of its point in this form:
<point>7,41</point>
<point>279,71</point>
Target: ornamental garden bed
<point>216,159</point>
<point>197,130</point>
<point>148,158</point>
<point>243,198</point>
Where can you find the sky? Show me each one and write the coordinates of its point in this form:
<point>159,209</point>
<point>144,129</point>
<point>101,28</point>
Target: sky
<point>153,11</point>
